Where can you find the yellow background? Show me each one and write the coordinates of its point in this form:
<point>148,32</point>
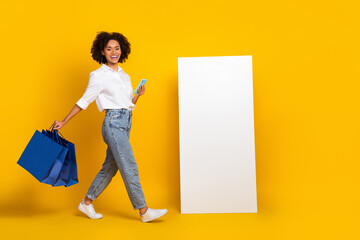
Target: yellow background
<point>306,84</point>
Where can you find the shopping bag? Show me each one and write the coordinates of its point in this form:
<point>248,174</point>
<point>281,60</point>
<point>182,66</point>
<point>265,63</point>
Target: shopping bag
<point>43,158</point>
<point>73,176</point>
<point>68,174</point>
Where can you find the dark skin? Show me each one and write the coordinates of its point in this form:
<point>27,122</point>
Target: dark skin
<point>112,53</point>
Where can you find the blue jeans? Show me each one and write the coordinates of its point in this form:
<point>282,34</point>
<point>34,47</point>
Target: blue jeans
<point>119,155</point>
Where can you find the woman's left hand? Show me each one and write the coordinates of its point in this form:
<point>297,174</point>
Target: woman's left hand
<point>141,90</point>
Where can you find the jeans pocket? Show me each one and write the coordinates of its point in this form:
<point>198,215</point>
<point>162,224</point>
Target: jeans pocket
<point>118,115</point>
<point>119,123</point>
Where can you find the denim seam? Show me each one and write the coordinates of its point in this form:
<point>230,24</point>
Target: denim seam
<point>125,170</point>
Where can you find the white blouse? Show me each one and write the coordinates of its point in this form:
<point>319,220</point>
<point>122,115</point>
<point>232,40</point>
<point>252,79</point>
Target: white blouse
<point>111,89</point>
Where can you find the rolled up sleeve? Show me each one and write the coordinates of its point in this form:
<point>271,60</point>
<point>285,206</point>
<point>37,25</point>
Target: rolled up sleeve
<point>92,91</point>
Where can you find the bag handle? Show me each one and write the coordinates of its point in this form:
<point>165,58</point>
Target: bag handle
<point>56,133</point>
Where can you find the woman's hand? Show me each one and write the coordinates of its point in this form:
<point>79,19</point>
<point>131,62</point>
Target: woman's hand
<point>58,124</point>
<point>141,90</point>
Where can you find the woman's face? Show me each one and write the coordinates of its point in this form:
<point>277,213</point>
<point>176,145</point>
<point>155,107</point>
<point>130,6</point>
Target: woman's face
<point>112,51</point>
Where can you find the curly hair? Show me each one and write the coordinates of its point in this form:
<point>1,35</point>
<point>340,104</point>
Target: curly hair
<point>101,41</point>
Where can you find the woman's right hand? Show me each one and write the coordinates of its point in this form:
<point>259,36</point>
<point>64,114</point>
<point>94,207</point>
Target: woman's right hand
<point>58,124</point>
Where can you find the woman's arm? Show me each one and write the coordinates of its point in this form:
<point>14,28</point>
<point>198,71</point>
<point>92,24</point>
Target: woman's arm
<point>141,91</point>
<point>59,124</point>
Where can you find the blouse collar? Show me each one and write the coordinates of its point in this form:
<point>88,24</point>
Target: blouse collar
<point>107,68</point>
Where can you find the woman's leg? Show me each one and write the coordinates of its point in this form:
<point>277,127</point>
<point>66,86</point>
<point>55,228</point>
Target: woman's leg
<point>103,178</point>
<point>143,209</point>
<point>117,138</point>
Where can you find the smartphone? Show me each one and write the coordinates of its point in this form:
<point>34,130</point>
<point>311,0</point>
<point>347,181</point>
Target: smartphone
<point>142,82</point>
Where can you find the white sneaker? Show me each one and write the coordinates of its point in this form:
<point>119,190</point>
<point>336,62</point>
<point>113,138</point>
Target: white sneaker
<point>89,210</point>
<point>152,214</point>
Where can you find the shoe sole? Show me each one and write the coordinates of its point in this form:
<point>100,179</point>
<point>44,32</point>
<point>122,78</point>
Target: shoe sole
<point>81,208</point>
<point>148,220</point>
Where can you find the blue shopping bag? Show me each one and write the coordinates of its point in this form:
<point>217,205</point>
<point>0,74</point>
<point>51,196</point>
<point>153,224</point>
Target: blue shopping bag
<point>43,158</point>
<point>68,174</point>
<point>73,176</point>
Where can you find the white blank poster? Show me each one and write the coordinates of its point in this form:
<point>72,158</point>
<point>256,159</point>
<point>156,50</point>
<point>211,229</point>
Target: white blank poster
<point>216,124</point>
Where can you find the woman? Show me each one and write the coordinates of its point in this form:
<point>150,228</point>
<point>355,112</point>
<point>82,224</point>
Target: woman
<point>110,86</point>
